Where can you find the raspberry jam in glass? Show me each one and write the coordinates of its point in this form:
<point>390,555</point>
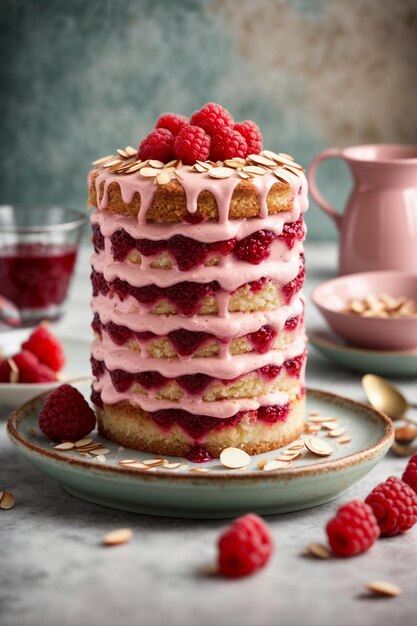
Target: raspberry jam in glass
<point>38,250</point>
<point>36,275</point>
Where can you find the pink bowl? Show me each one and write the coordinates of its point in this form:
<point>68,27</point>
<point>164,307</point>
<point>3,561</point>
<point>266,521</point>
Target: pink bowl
<point>332,296</point>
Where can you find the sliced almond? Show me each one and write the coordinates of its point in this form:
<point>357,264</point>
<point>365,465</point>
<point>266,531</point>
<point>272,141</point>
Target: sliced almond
<point>383,588</point>
<point>343,440</point>
<point>220,172</point>
<point>173,163</point>
<point>243,174</point>
<point>290,456</point>
<point>139,466</point>
<point>149,172</point>
<point>7,500</point>
<point>259,159</point>
<point>329,425</point>
<point>261,464</point>
<point>283,175</point>
<point>235,163</point>
<point>116,537</point>
<point>270,155</point>
<point>172,465</point>
<point>101,458</point>
<point>127,461</point>
<point>319,550</point>
<point>318,446</point>
<point>254,170</point>
<point>83,442</point>
<point>207,165</point>
<point>163,178</point>
<point>338,432</point>
<point>314,413</point>
<point>65,445</point>
<point>98,451</point>
<point>156,164</point>
<point>316,419</point>
<point>234,458</point>
<point>198,168</point>
<point>109,157</point>
<point>135,167</point>
<point>153,462</point>
<point>14,371</point>
<point>123,153</point>
<point>131,151</point>
<point>276,464</point>
<point>112,163</point>
<point>200,470</point>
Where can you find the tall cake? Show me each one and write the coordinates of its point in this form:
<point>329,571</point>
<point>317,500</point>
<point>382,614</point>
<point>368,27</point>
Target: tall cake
<point>197,273</point>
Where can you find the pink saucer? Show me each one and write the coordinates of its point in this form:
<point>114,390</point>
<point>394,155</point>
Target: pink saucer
<point>332,296</point>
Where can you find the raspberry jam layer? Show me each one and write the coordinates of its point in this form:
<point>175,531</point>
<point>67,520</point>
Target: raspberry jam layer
<point>189,253</point>
<point>192,384</point>
<point>187,342</point>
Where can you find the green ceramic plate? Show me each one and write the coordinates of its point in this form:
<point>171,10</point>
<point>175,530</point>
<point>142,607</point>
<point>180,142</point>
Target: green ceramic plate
<point>361,360</point>
<point>310,481</point>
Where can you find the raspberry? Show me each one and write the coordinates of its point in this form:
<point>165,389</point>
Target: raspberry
<point>273,413</point>
<point>118,334</point>
<point>394,504</point>
<point>244,547</point>
<point>96,399</point>
<point>194,383</point>
<point>121,244</point>
<point>252,135</point>
<point>212,118</point>
<point>97,367</point>
<point>192,144</point>
<point>46,347</point>
<point>172,122</point>
<point>262,339</point>
<point>254,248</point>
<point>121,380</point>
<point>227,144</point>
<point>186,342</point>
<point>98,239</point>
<point>25,368</point>
<point>66,415</point>
<point>187,252</point>
<point>353,530</point>
<point>157,145</point>
<point>410,474</point>
<point>270,371</point>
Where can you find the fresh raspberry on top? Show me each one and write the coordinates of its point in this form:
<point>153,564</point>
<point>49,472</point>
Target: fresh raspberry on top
<point>410,473</point>
<point>252,135</point>
<point>244,547</point>
<point>212,118</point>
<point>25,367</point>
<point>394,504</point>
<point>157,145</point>
<point>46,347</point>
<point>353,530</point>
<point>192,144</point>
<point>172,122</point>
<point>66,416</point>
<point>226,144</point>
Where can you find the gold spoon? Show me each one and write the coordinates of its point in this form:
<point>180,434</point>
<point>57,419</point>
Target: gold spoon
<point>385,397</point>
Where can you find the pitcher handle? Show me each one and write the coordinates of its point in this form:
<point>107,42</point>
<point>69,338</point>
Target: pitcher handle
<point>314,190</point>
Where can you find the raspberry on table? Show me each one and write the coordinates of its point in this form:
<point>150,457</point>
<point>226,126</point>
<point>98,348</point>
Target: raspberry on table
<point>410,473</point>
<point>353,530</point>
<point>25,368</point>
<point>394,504</point>
<point>66,415</point>
<point>227,144</point>
<point>252,135</point>
<point>157,145</point>
<point>43,344</point>
<point>172,122</point>
<point>192,144</point>
<point>244,547</point>
<point>212,118</point>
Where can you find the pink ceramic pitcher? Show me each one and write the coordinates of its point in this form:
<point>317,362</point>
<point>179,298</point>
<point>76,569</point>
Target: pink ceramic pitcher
<point>378,230</point>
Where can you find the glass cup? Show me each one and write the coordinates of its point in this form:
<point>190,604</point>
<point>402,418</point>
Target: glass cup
<point>38,251</point>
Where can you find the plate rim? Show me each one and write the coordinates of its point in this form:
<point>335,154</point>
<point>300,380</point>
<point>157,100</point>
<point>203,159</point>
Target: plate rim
<point>324,467</point>
<point>332,345</point>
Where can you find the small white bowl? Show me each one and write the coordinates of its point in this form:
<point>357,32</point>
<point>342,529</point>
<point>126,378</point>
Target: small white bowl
<point>389,333</point>
<point>77,352</point>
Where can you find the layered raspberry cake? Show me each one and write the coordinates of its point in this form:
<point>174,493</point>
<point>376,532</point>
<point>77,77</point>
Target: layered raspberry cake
<point>197,276</point>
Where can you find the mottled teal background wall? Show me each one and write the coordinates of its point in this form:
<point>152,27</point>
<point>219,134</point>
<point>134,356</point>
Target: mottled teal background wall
<point>79,78</point>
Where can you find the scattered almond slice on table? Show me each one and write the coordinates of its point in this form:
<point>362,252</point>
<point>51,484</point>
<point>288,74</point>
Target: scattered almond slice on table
<point>7,500</point>
<point>383,588</point>
<point>276,464</point>
<point>318,446</point>
<point>119,536</point>
<point>65,445</point>
<point>234,458</point>
<point>319,551</point>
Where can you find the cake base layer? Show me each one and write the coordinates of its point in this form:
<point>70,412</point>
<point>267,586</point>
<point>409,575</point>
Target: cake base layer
<point>133,428</point>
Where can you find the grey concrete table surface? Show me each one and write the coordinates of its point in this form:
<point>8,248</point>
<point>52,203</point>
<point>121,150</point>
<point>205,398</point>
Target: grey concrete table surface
<point>53,570</point>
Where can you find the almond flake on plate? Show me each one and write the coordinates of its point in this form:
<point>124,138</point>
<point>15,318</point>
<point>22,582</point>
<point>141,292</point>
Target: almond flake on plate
<point>101,458</point>
<point>200,470</point>
<point>83,442</point>
<point>220,172</point>
<point>65,445</point>
<point>276,464</point>
<point>261,464</point>
<point>116,537</point>
<point>319,550</point>
<point>98,451</point>
<point>234,458</point>
<point>329,425</point>
<point>7,500</point>
<point>343,440</point>
<point>338,432</point>
<point>153,462</point>
<point>171,465</point>
<point>317,419</point>
<point>318,446</point>
<point>383,588</point>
